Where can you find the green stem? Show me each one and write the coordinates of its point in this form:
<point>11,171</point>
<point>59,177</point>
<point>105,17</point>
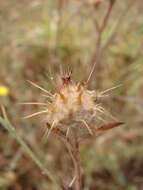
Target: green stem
<point>6,124</point>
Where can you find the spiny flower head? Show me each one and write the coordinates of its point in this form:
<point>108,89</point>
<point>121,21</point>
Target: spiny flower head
<point>71,103</point>
<point>72,107</point>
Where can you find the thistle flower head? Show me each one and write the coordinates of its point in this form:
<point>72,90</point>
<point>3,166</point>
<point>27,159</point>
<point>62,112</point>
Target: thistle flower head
<point>72,103</point>
<point>72,107</point>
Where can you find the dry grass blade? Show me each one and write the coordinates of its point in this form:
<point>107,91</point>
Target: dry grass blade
<point>73,180</point>
<point>4,112</point>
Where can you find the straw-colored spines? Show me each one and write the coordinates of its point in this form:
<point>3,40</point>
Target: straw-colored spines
<point>72,105</point>
<point>73,108</point>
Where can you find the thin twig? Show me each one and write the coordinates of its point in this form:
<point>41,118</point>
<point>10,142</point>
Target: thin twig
<point>96,58</point>
<point>118,24</point>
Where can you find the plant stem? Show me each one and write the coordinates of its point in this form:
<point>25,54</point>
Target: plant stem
<point>6,124</point>
<point>78,185</point>
<point>73,149</point>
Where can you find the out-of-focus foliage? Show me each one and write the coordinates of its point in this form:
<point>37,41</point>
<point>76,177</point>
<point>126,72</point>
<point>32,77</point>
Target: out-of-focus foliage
<point>37,37</point>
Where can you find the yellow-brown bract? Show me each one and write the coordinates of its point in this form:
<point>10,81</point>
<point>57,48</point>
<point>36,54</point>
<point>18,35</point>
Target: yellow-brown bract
<point>73,106</point>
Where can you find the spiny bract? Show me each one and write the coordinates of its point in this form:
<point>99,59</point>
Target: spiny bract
<point>73,108</point>
<point>73,105</point>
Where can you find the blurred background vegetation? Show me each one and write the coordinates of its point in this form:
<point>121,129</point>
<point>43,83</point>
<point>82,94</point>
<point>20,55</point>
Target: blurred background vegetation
<point>37,37</point>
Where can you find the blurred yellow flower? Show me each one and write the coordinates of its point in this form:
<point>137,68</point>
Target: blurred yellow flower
<point>3,90</point>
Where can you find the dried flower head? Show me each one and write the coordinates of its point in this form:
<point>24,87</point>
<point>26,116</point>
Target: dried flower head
<point>73,109</point>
